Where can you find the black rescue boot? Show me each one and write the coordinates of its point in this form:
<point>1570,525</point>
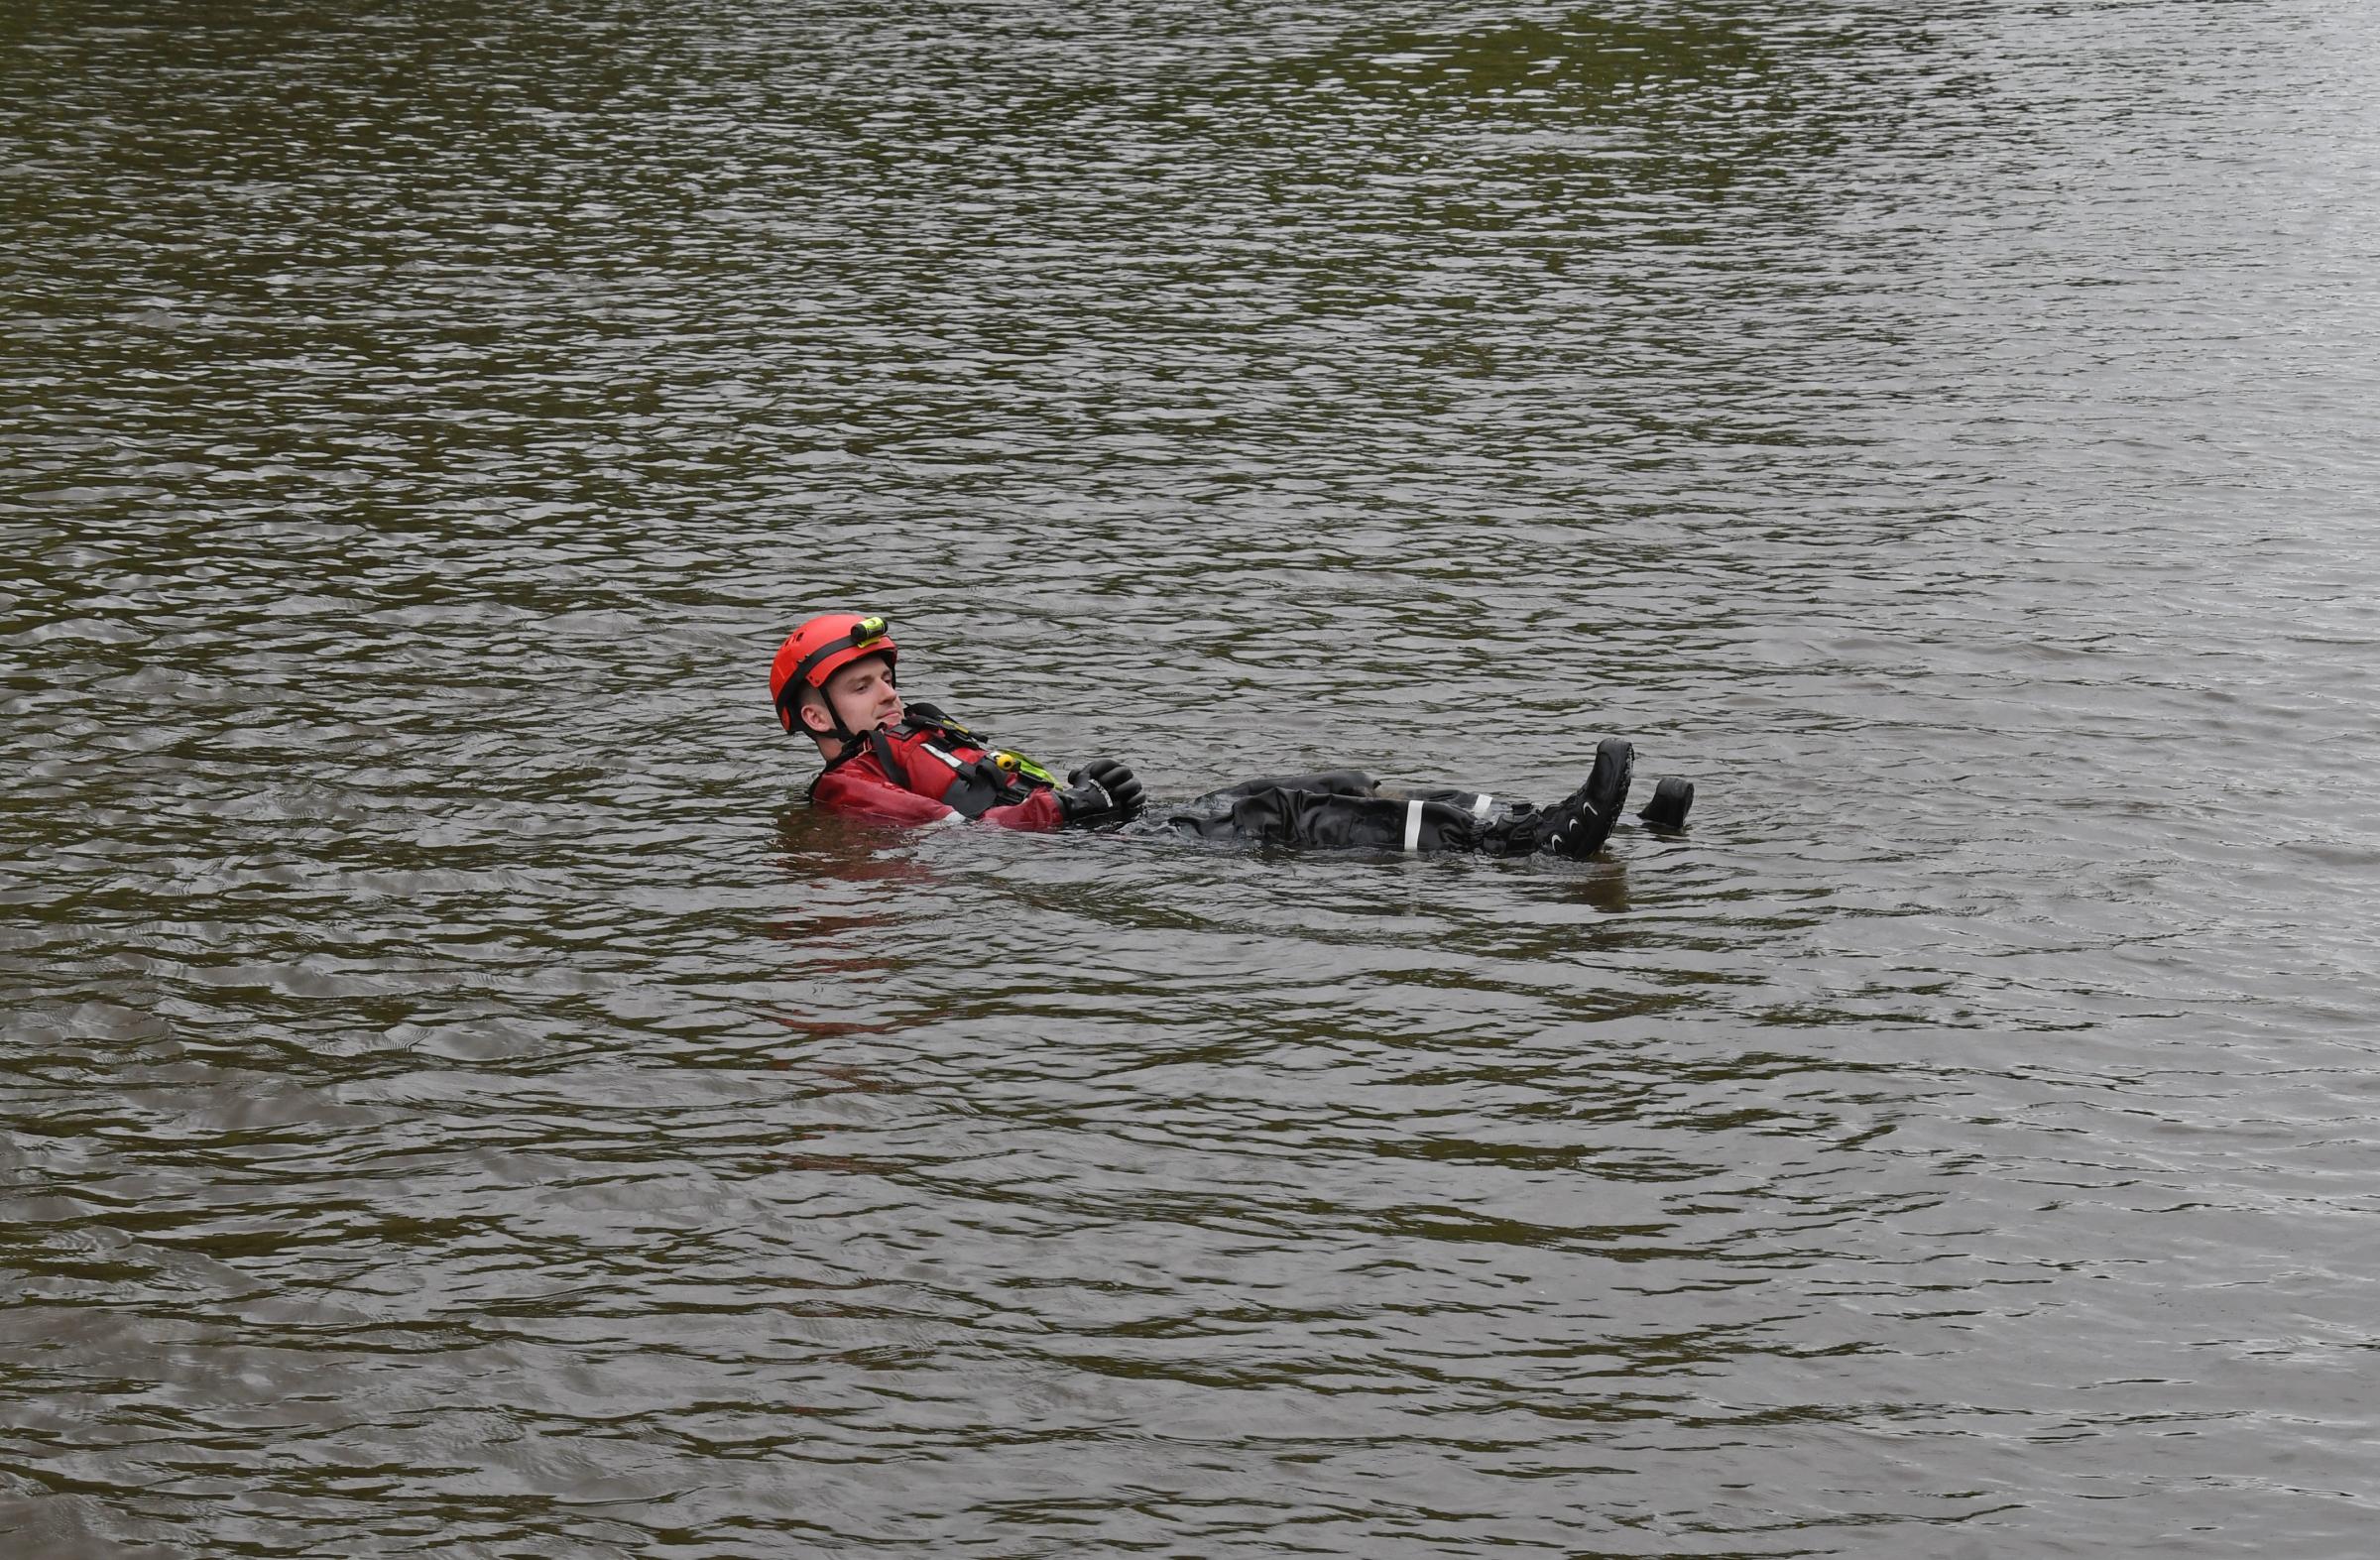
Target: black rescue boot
<point>1578,825</point>
<point>1672,799</point>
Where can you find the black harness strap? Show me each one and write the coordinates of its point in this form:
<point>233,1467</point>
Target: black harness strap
<point>971,796</point>
<point>928,717</point>
<point>886,758</point>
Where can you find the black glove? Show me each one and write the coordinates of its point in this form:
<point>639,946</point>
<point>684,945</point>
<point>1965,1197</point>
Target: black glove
<point>1103,792</point>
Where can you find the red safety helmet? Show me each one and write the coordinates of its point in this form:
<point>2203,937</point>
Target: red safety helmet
<point>818,650</point>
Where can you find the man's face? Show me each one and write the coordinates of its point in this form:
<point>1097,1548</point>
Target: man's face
<point>863,695</point>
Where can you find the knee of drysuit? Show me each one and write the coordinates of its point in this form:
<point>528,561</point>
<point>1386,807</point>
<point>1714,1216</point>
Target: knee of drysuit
<point>1343,783</point>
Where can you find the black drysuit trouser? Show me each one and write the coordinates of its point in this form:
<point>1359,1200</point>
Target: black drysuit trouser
<point>1346,809</point>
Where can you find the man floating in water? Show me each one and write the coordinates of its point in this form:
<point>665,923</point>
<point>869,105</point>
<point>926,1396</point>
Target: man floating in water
<point>834,681</point>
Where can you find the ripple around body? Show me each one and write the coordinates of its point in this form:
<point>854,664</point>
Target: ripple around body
<point>459,1100</point>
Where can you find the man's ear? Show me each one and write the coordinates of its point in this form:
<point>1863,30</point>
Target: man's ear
<point>817,719</point>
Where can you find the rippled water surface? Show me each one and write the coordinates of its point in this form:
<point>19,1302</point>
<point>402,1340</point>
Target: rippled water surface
<point>457,1100</point>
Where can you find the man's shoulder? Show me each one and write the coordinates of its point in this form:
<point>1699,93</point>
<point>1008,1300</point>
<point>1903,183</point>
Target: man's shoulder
<point>855,770</point>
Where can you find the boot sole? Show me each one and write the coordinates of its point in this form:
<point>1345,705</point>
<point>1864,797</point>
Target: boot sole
<point>1672,799</point>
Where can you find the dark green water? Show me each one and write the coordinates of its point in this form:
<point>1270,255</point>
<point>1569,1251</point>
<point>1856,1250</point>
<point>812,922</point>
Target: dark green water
<point>454,1100</point>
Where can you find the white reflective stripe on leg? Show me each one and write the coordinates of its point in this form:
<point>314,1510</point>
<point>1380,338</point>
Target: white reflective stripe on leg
<point>1479,809</point>
<point>1412,825</point>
